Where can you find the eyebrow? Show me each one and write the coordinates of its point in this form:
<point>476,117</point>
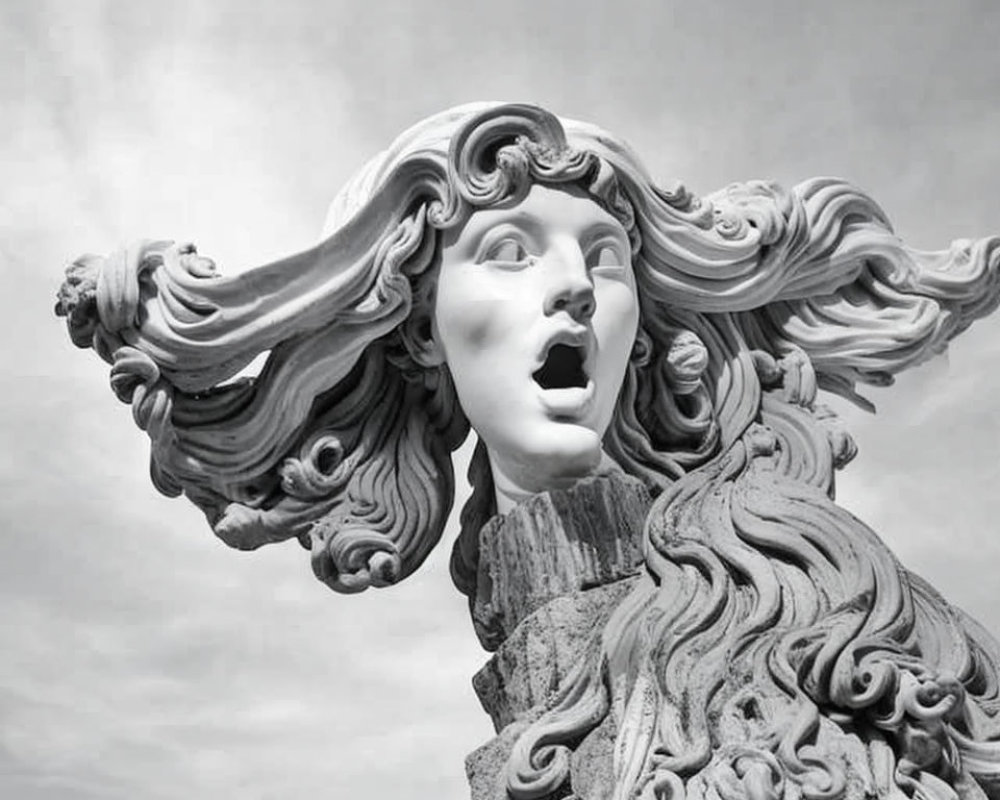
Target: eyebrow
<point>536,226</point>
<point>604,228</point>
<point>515,216</point>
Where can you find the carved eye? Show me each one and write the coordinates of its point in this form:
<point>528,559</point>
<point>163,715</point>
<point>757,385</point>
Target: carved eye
<point>507,251</point>
<point>606,257</point>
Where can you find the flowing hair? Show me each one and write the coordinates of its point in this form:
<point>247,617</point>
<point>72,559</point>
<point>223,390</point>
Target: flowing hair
<point>770,624</point>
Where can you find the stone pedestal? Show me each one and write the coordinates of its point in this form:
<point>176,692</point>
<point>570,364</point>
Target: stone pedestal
<point>550,574</point>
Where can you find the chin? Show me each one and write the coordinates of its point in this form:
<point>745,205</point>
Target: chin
<point>561,457</point>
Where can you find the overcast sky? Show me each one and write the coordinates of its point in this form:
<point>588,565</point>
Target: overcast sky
<point>141,658</point>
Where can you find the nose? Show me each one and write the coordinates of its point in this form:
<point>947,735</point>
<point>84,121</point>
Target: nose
<point>569,285</point>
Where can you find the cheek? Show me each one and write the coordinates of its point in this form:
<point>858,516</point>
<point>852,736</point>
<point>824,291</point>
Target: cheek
<point>616,320</point>
<point>464,325</point>
<point>471,316</point>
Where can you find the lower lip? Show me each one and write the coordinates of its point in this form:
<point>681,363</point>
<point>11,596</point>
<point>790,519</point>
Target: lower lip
<point>571,403</point>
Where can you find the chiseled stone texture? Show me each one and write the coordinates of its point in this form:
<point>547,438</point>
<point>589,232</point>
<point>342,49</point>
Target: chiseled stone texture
<point>554,544</point>
<point>526,669</point>
<point>523,677</point>
<point>550,573</point>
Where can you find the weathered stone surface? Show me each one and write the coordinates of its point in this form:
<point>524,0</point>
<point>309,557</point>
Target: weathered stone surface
<point>553,544</point>
<point>530,665</point>
<point>557,566</point>
<point>486,765</point>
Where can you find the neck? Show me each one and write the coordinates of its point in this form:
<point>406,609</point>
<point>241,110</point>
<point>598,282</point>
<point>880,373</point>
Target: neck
<point>509,493</point>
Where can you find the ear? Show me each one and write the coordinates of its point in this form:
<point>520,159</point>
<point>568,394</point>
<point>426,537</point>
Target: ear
<point>421,341</point>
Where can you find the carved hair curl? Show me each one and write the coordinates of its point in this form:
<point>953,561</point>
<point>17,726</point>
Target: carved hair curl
<point>751,299</point>
<point>286,454</point>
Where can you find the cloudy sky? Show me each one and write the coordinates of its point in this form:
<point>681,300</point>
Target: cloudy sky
<point>139,657</point>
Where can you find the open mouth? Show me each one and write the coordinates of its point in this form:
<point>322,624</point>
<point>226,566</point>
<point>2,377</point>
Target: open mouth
<point>563,368</point>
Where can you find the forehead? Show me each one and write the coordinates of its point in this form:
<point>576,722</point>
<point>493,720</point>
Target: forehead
<point>565,209</point>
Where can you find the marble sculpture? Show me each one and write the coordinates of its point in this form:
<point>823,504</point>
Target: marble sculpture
<point>676,606</point>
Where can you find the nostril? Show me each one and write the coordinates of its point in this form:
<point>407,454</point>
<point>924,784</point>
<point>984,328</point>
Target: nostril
<point>579,304</point>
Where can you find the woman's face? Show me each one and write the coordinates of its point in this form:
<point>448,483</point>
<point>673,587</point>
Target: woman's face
<point>535,314</point>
